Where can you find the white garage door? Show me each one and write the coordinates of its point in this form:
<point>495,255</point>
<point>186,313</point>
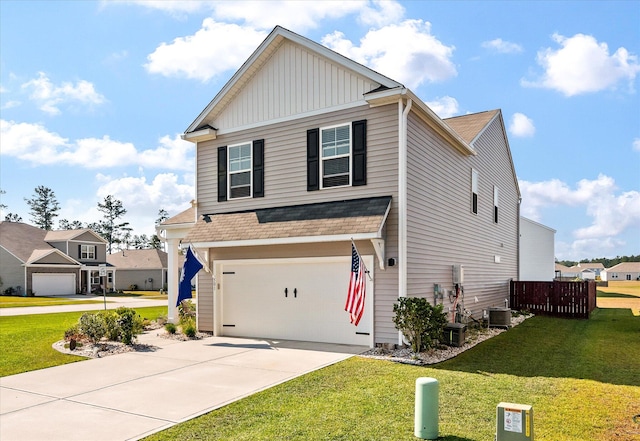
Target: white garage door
<point>299,299</point>
<point>51,284</point>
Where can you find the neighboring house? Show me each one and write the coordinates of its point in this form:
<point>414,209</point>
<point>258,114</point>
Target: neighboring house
<point>303,151</point>
<point>561,271</point>
<point>537,257</point>
<point>588,274</point>
<point>597,268</point>
<point>146,269</point>
<point>622,271</point>
<point>35,261</point>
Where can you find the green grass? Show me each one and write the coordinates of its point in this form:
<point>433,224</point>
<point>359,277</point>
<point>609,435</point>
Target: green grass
<point>621,289</point>
<point>18,302</point>
<point>615,294</point>
<point>582,378</point>
<point>25,340</point>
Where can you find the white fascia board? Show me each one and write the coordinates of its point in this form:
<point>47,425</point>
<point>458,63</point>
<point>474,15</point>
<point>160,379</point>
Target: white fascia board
<point>199,135</point>
<point>287,240</point>
<point>49,265</point>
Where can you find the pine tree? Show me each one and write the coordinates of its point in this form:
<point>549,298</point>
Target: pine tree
<point>109,228</point>
<point>44,207</point>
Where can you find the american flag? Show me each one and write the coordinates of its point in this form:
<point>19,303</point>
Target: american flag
<point>357,287</point>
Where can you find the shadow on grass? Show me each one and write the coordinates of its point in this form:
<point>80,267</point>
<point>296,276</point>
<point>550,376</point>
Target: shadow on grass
<point>603,348</point>
<point>616,295</point>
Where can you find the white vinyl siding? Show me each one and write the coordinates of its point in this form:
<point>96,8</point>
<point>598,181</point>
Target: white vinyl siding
<point>444,234</point>
<point>239,171</point>
<point>335,156</point>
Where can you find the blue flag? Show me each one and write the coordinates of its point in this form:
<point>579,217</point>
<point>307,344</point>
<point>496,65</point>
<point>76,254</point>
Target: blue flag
<point>190,268</point>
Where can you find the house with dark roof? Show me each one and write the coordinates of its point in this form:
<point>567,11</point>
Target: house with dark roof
<point>304,153</point>
<point>139,269</point>
<point>38,262</point>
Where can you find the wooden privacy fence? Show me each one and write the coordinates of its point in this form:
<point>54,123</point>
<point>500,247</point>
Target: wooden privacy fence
<point>558,299</point>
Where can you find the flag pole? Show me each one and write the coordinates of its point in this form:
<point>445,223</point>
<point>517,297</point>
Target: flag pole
<point>361,260</point>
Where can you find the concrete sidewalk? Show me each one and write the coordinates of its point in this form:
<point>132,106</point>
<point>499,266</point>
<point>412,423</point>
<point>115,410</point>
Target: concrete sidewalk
<point>129,396</point>
<point>112,303</point>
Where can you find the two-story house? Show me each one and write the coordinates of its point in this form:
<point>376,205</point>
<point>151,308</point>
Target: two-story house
<point>35,261</point>
<point>304,151</point>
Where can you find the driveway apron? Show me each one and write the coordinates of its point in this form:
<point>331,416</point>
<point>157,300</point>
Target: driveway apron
<point>129,396</point>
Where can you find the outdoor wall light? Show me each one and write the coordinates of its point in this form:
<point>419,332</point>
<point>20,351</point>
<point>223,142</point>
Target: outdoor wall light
<point>206,218</point>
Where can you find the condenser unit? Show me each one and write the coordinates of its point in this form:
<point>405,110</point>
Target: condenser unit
<point>499,317</point>
<point>454,334</point>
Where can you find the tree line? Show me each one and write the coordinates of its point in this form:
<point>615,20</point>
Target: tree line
<point>606,262</point>
<point>44,207</point>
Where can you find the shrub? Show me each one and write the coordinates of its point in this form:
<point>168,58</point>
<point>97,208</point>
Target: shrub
<point>186,311</point>
<point>189,328</point>
<point>130,324</point>
<point>171,328</point>
<point>133,287</point>
<point>419,321</point>
<point>112,331</point>
<point>92,326</point>
<point>73,333</point>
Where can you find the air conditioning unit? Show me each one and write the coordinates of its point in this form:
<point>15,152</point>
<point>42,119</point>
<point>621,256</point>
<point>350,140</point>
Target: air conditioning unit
<point>499,317</point>
<point>454,334</point>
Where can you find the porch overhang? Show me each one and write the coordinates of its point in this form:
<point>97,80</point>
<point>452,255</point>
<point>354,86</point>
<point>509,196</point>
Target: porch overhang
<point>336,221</point>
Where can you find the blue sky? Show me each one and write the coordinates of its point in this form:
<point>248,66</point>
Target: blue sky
<point>94,96</point>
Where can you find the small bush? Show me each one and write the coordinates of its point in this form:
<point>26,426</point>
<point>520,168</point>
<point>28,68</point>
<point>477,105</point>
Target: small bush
<point>133,287</point>
<point>419,321</point>
<point>171,328</point>
<point>112,331</point>
<point>130,324</point>
<point>73,333</point>
<point>189,328</point>
<point>92,326</point>
<point>187,311</point>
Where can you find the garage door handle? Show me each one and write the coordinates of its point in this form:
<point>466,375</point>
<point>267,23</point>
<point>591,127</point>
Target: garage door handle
<point>295,292</point>
<point>286,291</point>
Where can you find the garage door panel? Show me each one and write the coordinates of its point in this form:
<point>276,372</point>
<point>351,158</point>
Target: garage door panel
<point>254,302</point>
<point>51,284</point>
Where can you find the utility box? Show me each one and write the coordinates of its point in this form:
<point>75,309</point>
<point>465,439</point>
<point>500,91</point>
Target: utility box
<point>499,317</point>
<point>514,422</point>
<point>454,334</point>
<point>458,275</point>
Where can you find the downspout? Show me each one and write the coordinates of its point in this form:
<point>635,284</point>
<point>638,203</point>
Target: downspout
<point>402,200</point>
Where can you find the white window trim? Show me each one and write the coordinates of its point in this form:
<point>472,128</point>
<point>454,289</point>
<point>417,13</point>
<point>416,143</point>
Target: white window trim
<point>322,158</point>
<point>229,172</point>
<point>475,183</point>
<point>84,249</point>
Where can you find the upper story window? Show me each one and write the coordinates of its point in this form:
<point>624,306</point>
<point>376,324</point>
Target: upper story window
<point>336,156</point>
<point>87,252</point>
<point>240,169</point>
<point>474,191</point>
<point>495,204</point>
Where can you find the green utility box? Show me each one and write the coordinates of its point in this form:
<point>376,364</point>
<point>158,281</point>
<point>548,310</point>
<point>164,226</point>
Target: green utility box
<point>426,416</point>
<point>514,422</point>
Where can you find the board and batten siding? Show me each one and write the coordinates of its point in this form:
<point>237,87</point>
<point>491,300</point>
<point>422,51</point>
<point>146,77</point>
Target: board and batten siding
<point>285,184</point>
<point>442,231</point>
<point>537,254</point>
<point>293,81</point>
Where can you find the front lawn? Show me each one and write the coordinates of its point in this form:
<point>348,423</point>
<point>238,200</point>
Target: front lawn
<point>620,289</point>
<point>582,378</point>
<point>25,340</point>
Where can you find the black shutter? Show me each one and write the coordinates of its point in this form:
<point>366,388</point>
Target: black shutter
<point>258,168</point>
<point>222,174</point>
<point>79,251</point>
<point>359,154</point>
<point>313,159</point>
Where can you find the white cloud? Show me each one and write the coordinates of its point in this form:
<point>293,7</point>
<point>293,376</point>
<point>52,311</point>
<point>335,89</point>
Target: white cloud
<point>382,13</point>
<point>49,97</point>
<point>611,213</point>
<point>501,46</point>
<point>405,52</point>
<point>521,126</point>
<point>444,106</point>
<point>205,54</point>
<point>35,144</point>
<point>636,145</point>
<point>11,104</point>
<point>143,199</point>
<point>583,65</point>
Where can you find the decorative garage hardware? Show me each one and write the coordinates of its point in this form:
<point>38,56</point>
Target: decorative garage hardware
<point>286,292</point>
<point>295,292</point>
<point>228,272</point>
<point>362,333</point>
<point>228,326</point>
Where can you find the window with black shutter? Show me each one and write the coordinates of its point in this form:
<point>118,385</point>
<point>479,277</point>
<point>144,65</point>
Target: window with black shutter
<point>241,171</point>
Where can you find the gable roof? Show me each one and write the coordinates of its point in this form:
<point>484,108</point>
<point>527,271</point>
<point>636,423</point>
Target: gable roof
<point>596,265</point>
<point>625,267</point>
<point>469,127</point>
<point>188,216</point>
<point>260,56</point>
<point>138,259</point>
<point>43,256</point>
<point>22,239</point>
<point>66,235</point>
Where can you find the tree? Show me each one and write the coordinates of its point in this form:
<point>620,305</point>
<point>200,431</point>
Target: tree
<point>110,228</point>
<point>155,241</point>
<point>2,206</point>
<point>64,224</point>
<point>12,217</point>
<point>44,207</point>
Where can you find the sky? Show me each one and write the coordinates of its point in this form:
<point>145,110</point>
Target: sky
<point>94,96</point>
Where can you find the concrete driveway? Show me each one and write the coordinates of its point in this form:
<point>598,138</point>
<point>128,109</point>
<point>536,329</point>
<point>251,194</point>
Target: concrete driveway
<point>129,396</point>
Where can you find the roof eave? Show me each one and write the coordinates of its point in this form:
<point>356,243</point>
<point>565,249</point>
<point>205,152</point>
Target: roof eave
<point>288,240</point>
<point>206,134</point>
